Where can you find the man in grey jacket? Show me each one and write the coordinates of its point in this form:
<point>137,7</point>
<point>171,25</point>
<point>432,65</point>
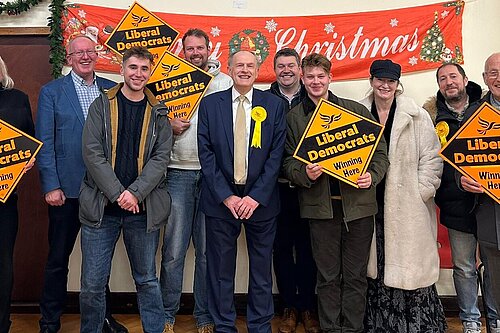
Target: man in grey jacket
<point>187,221</point>
<point>62,109</point>
<point>126,148</point>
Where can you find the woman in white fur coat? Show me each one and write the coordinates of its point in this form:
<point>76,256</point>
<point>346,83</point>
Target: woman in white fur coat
<point>401,294</point>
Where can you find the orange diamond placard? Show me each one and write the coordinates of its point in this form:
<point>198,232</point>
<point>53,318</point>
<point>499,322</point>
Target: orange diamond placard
<point>140,27</point>
<point>16,150</point>
<point>341,141</point>
<point>474,150</point>
<point>178,84</point>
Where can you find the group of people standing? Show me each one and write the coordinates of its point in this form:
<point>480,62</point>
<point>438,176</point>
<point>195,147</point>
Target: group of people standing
<point>112,162</point>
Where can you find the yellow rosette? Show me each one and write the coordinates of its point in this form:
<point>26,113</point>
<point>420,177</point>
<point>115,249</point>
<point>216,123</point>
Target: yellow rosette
<point>258,114</point>
<point>442,130</point>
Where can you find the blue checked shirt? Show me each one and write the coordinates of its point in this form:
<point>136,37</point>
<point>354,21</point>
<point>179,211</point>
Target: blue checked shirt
<point>86,93</point>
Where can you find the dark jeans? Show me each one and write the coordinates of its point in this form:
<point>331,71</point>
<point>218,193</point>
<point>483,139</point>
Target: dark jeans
<point>8,232</point>
<point>342,257</point>
<point>492,255</point>
<point>64,225</point>
<point>294,265</point>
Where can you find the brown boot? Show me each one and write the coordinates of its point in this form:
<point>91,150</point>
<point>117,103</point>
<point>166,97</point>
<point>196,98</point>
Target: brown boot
<point>288,321</point>
<point>310,321</point>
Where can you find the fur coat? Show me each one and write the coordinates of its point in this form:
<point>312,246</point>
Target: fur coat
<point>410,224</point>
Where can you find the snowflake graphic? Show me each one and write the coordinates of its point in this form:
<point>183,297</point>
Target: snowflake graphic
<point>215,31</point>
<point>444,14</point>
<point>329,28</point>
<point>82,13</point>
<point>394,22</point>
<point>271,25</point>
<point>413,61</point>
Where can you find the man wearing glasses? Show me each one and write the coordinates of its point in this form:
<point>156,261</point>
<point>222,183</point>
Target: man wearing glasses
<point>486,209</point>
<point>62,109</point>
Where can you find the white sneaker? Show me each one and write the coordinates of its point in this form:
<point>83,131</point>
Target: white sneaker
<point>495,326</point>
<point>471,327</point>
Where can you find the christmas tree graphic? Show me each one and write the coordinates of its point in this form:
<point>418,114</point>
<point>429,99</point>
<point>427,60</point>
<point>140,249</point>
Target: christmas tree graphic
<point>433,44</point>
<point>434,48</point>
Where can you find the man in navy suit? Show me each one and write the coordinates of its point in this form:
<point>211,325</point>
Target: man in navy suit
<point>62,109</point>
<point>239,186</point>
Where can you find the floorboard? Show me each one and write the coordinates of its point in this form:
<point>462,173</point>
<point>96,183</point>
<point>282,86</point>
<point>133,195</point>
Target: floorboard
<point>28,323</point>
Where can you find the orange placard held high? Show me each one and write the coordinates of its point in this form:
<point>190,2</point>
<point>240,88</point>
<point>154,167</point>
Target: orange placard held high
<point>178,84</point>
<point>140,27</point>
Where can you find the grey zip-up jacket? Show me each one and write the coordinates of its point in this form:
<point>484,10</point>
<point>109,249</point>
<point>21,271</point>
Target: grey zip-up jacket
<point>100,184</point>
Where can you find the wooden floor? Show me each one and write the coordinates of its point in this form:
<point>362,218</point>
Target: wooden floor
<point>28,323</point>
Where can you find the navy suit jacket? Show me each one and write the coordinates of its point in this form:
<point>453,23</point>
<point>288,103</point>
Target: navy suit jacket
<point>216,147</point>
<point>59,126</point>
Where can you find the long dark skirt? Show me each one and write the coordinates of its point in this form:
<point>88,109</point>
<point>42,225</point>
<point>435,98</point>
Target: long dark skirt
<point>396,310</point>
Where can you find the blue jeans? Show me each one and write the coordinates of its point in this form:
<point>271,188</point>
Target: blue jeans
<point>463,252</point>
<point>98,245</point>
<point>186,222</point>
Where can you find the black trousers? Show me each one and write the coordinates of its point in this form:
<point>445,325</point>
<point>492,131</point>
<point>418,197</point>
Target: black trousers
<point>342,258</point>
<point>294,265</point>
<point>8,233</point>
<point>222,246</point>
<point>64,225</point>
<point>492,255</point>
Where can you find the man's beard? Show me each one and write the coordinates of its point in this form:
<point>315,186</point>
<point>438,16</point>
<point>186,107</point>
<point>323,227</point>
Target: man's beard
<point>456,98</point>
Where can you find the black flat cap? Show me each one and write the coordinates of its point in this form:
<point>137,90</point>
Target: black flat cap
<point>385,69</point>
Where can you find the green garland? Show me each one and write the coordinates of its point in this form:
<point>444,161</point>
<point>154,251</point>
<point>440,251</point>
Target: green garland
<point>57,51</point>
<point>17,7</point>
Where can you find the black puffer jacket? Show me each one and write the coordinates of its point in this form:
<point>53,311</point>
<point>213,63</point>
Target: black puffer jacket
<point>455,205</point>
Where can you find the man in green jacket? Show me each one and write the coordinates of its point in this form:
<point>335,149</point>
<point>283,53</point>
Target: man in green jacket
<point>340,216</point>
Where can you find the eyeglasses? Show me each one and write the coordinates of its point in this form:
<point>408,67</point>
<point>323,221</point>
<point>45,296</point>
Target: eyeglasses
<point>492,74</point>
<point>79,54</point>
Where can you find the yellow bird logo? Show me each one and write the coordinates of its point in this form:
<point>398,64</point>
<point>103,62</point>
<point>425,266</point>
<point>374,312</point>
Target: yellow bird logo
<point>487,125</point>
<point>139,19</point>
<point>329,119</point>
<point>169,68</point>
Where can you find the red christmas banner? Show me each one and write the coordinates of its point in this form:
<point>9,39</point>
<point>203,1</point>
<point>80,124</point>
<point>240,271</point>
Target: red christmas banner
<point>418,38</point>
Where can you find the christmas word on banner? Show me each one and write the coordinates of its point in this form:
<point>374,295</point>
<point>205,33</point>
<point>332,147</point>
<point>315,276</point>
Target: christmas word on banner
<point>140,27</point>
<point>474,150</point>
<point>178,84</point>
<point>341,141</point>
<point>16,150</point>
<point>418,38</point>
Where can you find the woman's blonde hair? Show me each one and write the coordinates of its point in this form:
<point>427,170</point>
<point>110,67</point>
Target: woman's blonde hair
<point>7,82</point>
